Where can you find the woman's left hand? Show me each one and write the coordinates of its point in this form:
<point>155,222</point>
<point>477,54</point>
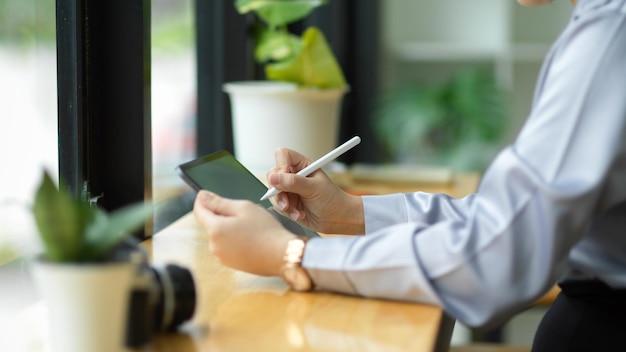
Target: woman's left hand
<point>242,235</point>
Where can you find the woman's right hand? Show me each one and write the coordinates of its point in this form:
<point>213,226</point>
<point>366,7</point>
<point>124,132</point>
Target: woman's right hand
<point>313,201</point>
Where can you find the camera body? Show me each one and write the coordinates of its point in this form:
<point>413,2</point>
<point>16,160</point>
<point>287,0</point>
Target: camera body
<point>162,298</point>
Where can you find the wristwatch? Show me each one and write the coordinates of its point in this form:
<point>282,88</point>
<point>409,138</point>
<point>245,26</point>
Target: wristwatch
<point>292,271</point>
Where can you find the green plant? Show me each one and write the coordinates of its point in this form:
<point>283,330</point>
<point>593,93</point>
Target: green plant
<point>307,60</point>
<point>72,230</point>
<point>458,123</point>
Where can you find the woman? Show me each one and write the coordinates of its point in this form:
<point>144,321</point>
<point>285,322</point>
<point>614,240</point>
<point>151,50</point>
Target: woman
<point>551,207</point>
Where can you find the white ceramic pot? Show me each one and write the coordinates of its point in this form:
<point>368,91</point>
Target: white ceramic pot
<point>87,304</point>
<point>267,115</point>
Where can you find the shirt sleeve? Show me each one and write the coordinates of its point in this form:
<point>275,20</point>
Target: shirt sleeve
<point>487,256</point>
<point>387,210</point>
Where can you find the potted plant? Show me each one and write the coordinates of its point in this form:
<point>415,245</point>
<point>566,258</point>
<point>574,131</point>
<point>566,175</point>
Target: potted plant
<point>85,284</point>
<point>299,104</point>
<point>457,124</point>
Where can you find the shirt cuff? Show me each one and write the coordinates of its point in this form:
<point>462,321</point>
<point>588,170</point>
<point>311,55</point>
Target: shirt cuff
<point>383,210</point>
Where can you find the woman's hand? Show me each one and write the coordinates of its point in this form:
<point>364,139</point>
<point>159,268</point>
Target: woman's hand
<point>314,201</point>
<point>242,235</point>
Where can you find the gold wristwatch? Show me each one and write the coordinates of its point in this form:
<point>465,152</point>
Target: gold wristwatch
<point>292,271</point>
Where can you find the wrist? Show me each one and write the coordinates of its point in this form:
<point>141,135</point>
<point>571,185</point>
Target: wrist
<point>292,271</point>
<point>352,219</point>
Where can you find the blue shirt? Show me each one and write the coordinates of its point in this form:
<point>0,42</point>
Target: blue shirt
<point>551,205</point>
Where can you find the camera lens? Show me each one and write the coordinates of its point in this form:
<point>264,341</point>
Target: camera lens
<point>177,298</point>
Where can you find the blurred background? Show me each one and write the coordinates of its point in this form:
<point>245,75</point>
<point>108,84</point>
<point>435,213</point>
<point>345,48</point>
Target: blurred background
<point>28,115</point>
<point>453,83</point>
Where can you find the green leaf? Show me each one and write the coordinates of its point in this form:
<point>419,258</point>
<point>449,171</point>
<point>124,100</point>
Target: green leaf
<point>109,230</point>
<point>407,118</point>
<point>276,46</point>
<point>458,122</point>
<point>480,102</point>
<point>278,12</point>
<point>316,65</point>
<point>60,220</point>
<point>73,231</point>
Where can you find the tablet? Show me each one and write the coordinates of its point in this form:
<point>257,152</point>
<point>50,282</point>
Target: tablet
<point>223,174</point>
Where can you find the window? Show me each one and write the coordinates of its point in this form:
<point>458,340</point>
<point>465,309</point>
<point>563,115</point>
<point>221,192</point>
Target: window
<point>28,116</point>
<point>173,94</point>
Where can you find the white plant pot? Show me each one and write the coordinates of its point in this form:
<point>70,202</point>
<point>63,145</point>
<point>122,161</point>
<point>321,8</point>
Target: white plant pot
<point>267,115</point>
<point>87,304</point>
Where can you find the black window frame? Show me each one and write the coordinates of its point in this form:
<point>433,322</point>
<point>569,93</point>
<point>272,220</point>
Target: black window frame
<point>103,84</point>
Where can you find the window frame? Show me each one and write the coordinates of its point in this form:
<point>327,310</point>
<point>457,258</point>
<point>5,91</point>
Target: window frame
<point>103,85</point>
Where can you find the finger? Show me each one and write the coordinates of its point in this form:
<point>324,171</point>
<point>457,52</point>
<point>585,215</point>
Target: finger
<point>290,161</point>
<point>281,202</point>
<point>294,212</point>
<point>275,180</point>
<point>282,156</point>
<point>199,205</point>
<point>216,204</point>
<point>272,171</point>
<point>202,214</point>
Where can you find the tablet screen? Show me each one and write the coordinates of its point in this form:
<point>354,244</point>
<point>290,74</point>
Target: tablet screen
<point>223,174</point>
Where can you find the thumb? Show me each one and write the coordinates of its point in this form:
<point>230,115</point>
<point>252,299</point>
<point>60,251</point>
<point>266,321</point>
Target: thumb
<point>214,203</point>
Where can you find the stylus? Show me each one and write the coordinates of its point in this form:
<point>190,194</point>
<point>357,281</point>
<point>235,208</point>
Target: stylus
<point>319,163</point>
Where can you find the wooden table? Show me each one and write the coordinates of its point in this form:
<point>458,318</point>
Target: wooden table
<point>236,311</point>
<point>242,312</point>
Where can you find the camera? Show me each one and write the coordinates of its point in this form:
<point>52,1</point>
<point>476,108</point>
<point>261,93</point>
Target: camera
<point>162,298</point>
